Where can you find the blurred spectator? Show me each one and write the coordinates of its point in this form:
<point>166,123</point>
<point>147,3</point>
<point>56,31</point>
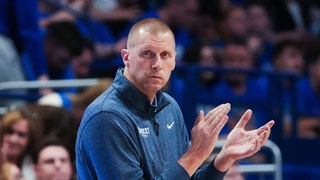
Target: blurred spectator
<point>51,11</point>
<point>237,86</point>
<point>20,37</point>
<point>117,13</point>
<point>290,15</point>
<point>116,10</point>
<point>204,29</point>
<point>261,34</point>
<point>19,24</point>
<point>62,42</point>
<point>76,103</point>
<point>215,8</point>
<point>289,64</point>
<point>52,161</point>
<point>19,133</point>
<point>259,20</point>
<point>288,56</point>
<point>291,18</point>
<point>315,18</point>
<point>261,51</point>
<point>57,122</point>
<point>308,97</point>
<point>106,46</point>
<point>206,56</point>
<point>234,24</point>
<point>81,64</point>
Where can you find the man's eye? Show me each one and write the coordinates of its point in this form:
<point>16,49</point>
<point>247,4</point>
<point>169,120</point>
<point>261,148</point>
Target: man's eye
<point>165,55</point>
<point>147,54</point>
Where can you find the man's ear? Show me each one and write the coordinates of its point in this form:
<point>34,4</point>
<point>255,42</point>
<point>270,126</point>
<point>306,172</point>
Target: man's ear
<point>174,65</point>
<point>125,59</point>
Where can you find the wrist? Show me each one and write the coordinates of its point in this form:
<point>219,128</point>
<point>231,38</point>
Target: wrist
<point>222,162</point>
<point>191,161</point>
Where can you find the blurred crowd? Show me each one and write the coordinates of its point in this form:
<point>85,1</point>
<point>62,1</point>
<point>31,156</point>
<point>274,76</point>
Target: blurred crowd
<point>75,39</point>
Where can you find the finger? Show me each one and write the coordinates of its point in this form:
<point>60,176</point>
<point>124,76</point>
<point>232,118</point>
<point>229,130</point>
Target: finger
<point>221,116</point>
<point>263,138</point>
<point>244,119</point>
<point>219,124</point>
<point>256,146</point>
<point>200,116</point>
<point>265,127</point>
<point>271,123</point>
<point>216,112</point>
<point>264,134</point>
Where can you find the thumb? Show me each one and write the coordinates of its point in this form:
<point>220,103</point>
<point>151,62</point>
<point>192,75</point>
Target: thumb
<point>200,116</point>
<point>244,119</point>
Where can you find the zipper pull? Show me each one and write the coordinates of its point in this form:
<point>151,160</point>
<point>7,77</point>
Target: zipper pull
<point>156,125</point>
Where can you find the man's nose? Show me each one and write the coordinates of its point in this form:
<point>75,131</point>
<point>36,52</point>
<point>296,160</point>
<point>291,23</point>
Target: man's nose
<point>156,63</point>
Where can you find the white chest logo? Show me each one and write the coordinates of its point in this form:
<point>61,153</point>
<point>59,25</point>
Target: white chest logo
<point>144,131</point>
<point>169,126</point>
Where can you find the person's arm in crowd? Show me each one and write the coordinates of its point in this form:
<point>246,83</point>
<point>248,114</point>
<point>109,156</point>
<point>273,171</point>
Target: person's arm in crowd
<point>104,51</point>
<point>78,6</point>
<point>30,35</point>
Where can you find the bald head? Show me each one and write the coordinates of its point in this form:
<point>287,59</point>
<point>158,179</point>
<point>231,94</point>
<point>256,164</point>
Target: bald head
<point>149,25</point>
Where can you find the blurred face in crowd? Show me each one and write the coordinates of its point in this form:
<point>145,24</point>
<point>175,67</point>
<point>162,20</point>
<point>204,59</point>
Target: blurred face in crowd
<point>258,19</point>
<point>290,60</point>
<point>237,22</point>
<point>58,57</point>
<point>183,13</point>
<point>314,71</point>
<point>15,140</point>
<point>81,64</point>
<point>237,57</point>
<point>53,164</point>
<point>150,58</point>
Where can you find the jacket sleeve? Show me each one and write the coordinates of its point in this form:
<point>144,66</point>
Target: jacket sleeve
<point>208,172</point>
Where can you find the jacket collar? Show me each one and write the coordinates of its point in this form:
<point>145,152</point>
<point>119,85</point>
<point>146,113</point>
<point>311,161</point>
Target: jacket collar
<point>135,97</point>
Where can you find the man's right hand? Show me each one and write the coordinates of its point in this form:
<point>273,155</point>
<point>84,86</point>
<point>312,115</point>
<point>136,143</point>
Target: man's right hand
<point>204,136</point>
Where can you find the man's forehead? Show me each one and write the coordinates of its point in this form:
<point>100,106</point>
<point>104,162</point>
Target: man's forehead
<point>159,45</point>
<point>149,41</point>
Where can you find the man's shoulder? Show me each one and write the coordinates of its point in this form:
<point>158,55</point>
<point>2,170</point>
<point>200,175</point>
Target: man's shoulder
<point>103,110</point>
<point>107,101</point>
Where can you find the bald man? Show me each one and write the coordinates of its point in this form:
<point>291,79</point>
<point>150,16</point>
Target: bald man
<point>136,131</point>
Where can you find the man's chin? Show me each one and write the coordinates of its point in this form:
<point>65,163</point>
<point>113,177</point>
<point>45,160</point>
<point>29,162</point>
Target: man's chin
<point>59,177</point>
